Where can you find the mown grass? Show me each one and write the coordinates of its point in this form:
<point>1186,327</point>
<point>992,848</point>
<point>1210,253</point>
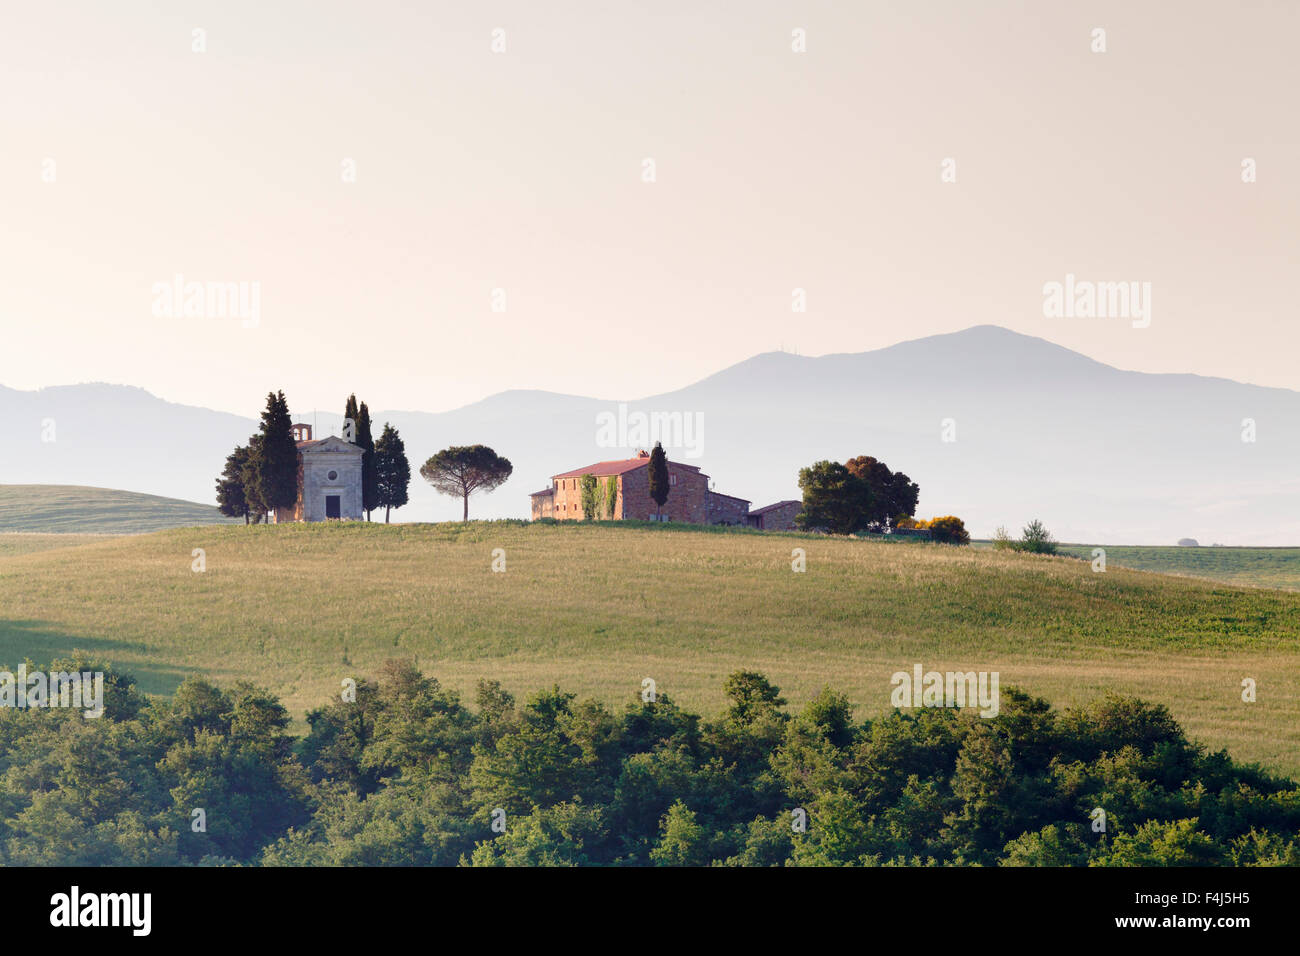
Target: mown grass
<point>597,608</point>
<point>74,509</point>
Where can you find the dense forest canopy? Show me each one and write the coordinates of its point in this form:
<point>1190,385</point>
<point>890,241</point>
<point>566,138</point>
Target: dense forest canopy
<point>407,773</point>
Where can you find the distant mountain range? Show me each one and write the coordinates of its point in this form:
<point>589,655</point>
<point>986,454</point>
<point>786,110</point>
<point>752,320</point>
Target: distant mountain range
<point>1097,453</point>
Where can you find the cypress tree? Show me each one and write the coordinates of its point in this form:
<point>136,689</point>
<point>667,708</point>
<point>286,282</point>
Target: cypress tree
<point>231,500</point>
<point>350,414</point>
<point>250,480</point>
<point>369,475</point>
<point>658,478</point>
<point>392,471</point>
<point>277,471</point>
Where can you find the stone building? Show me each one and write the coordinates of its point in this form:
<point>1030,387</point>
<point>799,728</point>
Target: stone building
<point>329,479</point>
<point>727,509</point>
<point>776,517</point>
<point>627,481</point>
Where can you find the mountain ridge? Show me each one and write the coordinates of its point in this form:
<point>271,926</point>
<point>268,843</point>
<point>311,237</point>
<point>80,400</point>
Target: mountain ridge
<point>843,356</point>
<point>1040,430</point>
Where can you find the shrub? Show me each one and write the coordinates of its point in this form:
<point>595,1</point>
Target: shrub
<point>1037,539</point>
<point>948,529</point>
<point>1003,541</point>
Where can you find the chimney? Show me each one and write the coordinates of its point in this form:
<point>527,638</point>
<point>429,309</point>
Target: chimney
<point>642,453</point>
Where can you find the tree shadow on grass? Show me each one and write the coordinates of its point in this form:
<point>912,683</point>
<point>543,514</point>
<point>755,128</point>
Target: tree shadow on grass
<point>42,643</point>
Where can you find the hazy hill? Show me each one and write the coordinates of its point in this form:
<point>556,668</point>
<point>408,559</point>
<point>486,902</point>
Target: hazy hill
<point>77,510</point>
<point>1099,454</point>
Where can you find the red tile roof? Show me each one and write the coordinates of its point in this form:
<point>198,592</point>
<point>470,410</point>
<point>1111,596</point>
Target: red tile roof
<point>603,469</point>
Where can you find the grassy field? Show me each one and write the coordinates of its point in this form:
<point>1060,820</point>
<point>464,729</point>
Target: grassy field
<point>1260,567</point>
<point>598,608</point>
<point>29,542</point>
<point>73,509</point>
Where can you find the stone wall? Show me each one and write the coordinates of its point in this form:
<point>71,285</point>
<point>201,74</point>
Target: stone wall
<point>780,518</point>
<point>567,502</point>
<point>687,495</point>
<point>724,509</point>
<point>316,483</point>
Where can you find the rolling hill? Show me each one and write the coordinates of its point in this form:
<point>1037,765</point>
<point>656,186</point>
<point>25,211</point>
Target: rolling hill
<point>1254,567</point>
<point>71,509</point>
<point>1097,453</point>
<point>598,608</point>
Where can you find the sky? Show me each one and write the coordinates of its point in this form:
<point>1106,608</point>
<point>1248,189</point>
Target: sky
<point>427,221</point>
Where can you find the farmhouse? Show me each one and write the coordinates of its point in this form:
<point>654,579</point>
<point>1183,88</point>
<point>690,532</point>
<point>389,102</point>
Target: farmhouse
<point>777,517</point>
<point>329,479</point>
<point>623,492</point>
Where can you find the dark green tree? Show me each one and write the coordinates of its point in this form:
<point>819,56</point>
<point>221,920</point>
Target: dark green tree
<point>834,499</point>
<point>465,469</point>
<point>1037,539</point>
<point>392,471</point>
<point>251,480</point>
<point>537,764</point>
<point>359,433</point>
<point>350,416</point>
<point>277,468</point>
<point>231,500</point>
<point>893,494</point>
<point>751,694</point>
<point>684,841</point>
<point>369,473</point>
<point>658,478</point>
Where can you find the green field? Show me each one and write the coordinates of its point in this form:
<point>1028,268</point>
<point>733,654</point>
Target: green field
<point>1261,567</point>
<point>73,509</point>
<point>597,608</point>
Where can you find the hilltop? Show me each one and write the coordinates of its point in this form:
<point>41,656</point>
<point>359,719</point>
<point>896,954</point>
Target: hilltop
<point>598,608</point>
<point>73,509</point>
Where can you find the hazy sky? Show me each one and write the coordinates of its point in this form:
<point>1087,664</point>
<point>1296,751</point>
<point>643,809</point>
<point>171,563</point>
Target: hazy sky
<point>523,171</point>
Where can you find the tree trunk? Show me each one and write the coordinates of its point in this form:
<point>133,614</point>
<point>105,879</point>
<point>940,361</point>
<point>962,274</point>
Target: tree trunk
<point>466,517</point>
<point>387,511</point>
